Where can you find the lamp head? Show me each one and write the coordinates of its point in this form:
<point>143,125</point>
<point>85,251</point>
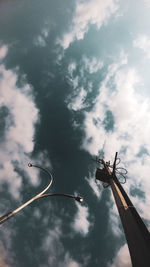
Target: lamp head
<point>30,165</point>
<point>79,199</point>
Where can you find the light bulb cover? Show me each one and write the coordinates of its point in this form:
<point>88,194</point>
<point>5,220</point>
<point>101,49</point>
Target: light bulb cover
<point>79,199</point>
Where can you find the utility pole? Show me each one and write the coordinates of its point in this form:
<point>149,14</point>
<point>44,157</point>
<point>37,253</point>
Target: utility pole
<point>136,233</point>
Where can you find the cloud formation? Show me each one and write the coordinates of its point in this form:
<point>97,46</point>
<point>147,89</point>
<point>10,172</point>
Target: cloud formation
<point>41,39</point>
<point>130,112</point>
<point>89,12</point>
<point>122,101</point>
<point>3,256</point>
<point>3,52</point>
<point>19,116</point>
<point>114,219</point>
<point>94,186</point>
<point>143,42</point>
<point>120,121</point>
<point>81,223</point>
<point>76,100</point>
<point>122,258</point>
<point>92,64</point>
<point>54,247</point>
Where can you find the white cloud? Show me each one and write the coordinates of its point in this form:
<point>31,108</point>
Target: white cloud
<point>123,102</point>
<point>69,262</point>
<point>19,127</point>
<point>147,2</point>
<point>17,141</point>
<point>3,51</point>
<point>92,64</point>
<point>7,256</point>
<point>4,255</point>
<point>119,94</point>
<point>73,264</point>
<point>122,258</point>
<point>71,68</point>
<point>88,12</point>
<point>81,223</point>
<point>53,245</point>
<point>143,42</point>
<point>94,186</point>
<point>114,219</point>
<point>73,81</point>
<point>77,102</point>
<point>41,39</point>
<point>131,113</point>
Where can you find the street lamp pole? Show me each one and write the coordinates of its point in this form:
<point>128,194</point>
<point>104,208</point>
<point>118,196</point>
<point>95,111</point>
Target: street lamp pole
<point>137,235</point>
<point>40,195</point>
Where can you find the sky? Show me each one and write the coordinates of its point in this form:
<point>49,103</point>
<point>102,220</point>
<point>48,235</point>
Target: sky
<point>74,84</point>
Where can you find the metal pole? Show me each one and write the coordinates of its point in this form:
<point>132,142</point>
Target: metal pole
<point>136,233</point>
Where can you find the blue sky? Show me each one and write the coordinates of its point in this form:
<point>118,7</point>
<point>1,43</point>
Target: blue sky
<point>74,84</point>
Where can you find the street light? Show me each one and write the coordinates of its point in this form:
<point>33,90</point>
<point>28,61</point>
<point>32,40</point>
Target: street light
<point>38,196</point>
<point>136,232</point>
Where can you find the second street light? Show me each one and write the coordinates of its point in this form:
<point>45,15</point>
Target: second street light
<point>40,195</point>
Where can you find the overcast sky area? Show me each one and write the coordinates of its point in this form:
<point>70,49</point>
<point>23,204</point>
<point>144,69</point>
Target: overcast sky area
<point>74,84</point>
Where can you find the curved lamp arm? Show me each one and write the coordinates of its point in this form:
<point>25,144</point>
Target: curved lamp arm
<point>12,213</point>
<point>40,195</point>
<point>77,198</point>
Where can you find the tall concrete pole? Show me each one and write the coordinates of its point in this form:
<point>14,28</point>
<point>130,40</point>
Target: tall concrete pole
<point>136,233</point>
